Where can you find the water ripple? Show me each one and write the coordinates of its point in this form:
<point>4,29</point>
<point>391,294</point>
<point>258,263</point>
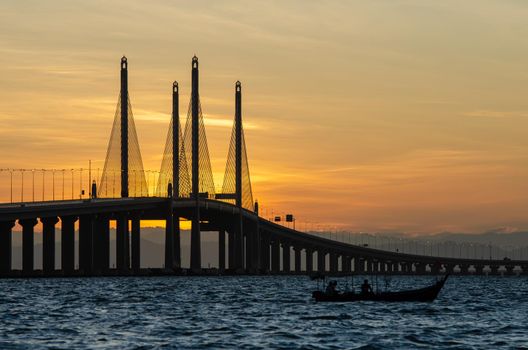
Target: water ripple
<point>255,312</point>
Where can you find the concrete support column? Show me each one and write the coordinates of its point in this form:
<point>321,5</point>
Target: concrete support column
<point>86,244</point>
<point>321,261</point>
<point>449,268</point>
<point>249,248</point>
<point>28,241</point>
<point>101,254</point>
<point>136,243</point>
<point>494,269</point>
<point>286,257</point>
<point>169,236</point>
<point>231,250</point>
<point>264,252</point>
<point>369,266</point>
<point>103,224</point>
<point>464,269</point>
<point>176,241</point>
<point>238,244</point>
<point>375,266</point>
<point>420,268</point>
<point>509,269</point>
<point>435,268</point>
<point>221,250</point>
<point>48,243</point>
<point>479,269</point>
<point>309,260</point>
<point>346,264</point>
<point>255,258</point>
<point>6,246</point>
<point>275,255</point>
<point>359,265</point>
<point>383,266</point>
<point>68,244</point>
<point>333,262</point>
<point>122,246</point>
<point>297,251</point>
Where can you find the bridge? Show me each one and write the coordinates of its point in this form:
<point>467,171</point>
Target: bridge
<point>184,189</point>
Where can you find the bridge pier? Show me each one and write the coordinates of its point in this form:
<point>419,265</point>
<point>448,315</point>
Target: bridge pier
<point>231,249</point>
<point>248,245</point>
<point>176,241</point>
<point>435,268</point>
<point>264,252</point>
<point>48,243</point>
<point>420,268</point>
<point>122,246</point>
<point>221,250</point>
<point>375,266</point>
<point>68,244</point>
<point>136,243</point>
<point>101,255</point>
<point>346,264</point>
<point>275,255</point>
<point>321,261</point>
<point>86,244</point>
<point>196,249</point>
<point>238,244</point>
<point>464,269</point>
<point>494,269</point>
<point>359,265</point>
<point>286,264</point>
<point>333,262</point>
<point>479,269</point>
<point>509,270</point>
<point>252,252</point>
<point>169,235</point>
<point>297,251</point>
<point>370,266</point>
<point>383,266</point>
<point>28,241</point>
<point>6,246</point>
<point>309,260</point>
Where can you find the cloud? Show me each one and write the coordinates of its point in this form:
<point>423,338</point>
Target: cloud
<point>495,114</point>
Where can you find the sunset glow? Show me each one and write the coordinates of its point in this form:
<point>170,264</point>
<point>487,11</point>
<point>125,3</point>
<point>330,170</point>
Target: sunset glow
<point>406,116</point>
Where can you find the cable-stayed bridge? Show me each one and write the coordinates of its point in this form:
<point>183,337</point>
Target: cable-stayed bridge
<point>184,188</point>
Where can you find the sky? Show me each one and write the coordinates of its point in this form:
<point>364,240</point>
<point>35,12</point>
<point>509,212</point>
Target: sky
<point>375,116</point>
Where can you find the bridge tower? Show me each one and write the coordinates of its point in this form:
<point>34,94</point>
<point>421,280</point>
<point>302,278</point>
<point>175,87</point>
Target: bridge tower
<point>124,127</point>
<point>239,230</point>
<point>196,255</point>
<point>176,132</point>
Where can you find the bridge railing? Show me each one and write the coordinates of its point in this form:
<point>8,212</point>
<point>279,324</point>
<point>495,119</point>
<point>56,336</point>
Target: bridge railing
<point>425,245</point>
<point>21,185</point>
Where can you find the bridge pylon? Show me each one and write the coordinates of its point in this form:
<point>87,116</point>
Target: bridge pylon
<point>123,173</point>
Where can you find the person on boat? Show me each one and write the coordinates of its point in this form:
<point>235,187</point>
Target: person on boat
<point>366,288</point>
<point>331,288</point>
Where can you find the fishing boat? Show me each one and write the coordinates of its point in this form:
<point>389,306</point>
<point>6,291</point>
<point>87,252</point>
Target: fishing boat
<point>427,294</point>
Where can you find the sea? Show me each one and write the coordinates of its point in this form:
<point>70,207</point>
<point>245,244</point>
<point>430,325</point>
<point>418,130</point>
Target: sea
<point>260,312</point>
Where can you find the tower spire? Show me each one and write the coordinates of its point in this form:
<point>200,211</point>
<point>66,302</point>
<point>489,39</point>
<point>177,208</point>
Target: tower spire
<point>124,127</point>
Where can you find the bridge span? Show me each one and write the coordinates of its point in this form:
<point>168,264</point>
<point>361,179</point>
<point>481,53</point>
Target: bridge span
<point>185,189</point>
<point>267,248</point>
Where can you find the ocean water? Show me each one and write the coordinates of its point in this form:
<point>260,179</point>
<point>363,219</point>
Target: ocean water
<point>256,312</point>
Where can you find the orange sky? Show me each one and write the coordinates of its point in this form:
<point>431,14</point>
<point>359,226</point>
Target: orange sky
<point>375,116</point>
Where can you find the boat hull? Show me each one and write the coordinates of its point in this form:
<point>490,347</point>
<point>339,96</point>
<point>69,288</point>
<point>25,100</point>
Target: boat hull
<point>427,294</point>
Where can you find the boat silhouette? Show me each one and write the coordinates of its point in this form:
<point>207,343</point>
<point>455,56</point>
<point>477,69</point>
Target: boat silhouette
<point>426,294</point>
